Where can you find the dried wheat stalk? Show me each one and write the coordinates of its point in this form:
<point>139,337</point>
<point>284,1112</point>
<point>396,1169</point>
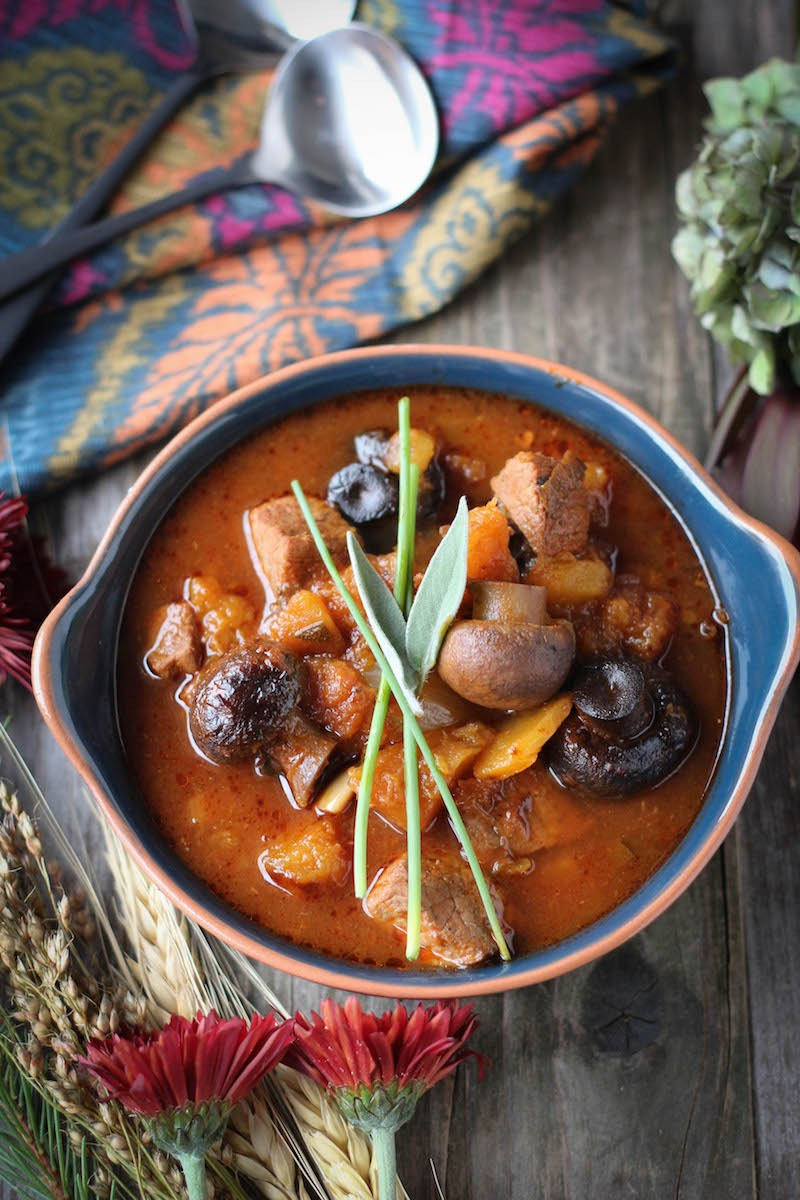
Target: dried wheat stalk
<point>59,998</point>
<point>344,1154</point>
<point>159,955</point>
<point>260,1153</point>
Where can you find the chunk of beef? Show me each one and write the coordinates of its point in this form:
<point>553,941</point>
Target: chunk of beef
<point>177,650</point>
<point>301,752</point>
<point>315,855</point>
<point>633,620</point>
<point>283,545</point>
<point>510,820</point>
<point>546,500</point>
<point>454,926</point>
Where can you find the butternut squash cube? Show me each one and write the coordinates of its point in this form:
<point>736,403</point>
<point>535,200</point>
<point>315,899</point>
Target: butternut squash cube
<point>421,445</point>
<point>455,749</point>
<point>488,555</point>
<point>313,856</point>
<point>337,697</point>
<point>519,739</point>
<point>304,625</point>
<point>388,797</point>
<point>226,618</point>
<point>230,623</point>
<point>572,582</point>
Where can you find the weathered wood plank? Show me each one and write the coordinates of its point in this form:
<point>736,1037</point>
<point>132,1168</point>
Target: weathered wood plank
<point>766,849</point>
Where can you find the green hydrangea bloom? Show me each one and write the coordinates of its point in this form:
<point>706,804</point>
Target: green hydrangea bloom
<point>739,244</point>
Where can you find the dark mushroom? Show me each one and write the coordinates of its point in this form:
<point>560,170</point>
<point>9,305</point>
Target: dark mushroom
<point>511,654</point>
<point>370,447</point>
<point>432,487</point>
<point>364,493</point>
<point>241,699</point>
<point>301,752</point>
<point>521,550</point>
<point>376,448</point>
<point>613,698</point>
<point>630,728</point>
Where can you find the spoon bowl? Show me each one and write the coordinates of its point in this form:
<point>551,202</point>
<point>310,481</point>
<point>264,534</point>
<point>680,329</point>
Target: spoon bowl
<point>349,123</point>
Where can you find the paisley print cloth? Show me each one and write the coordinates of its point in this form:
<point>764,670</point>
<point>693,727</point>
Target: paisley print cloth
<point>151,330</point>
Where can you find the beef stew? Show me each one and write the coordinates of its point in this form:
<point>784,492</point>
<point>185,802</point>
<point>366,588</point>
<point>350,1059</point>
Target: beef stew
<point>586,653</point>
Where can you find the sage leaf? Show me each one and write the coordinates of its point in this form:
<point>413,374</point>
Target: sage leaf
<point>385,618</point>
<point>439,595</point>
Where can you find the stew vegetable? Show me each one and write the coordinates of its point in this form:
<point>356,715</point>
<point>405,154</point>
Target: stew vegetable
<point>573,711</point>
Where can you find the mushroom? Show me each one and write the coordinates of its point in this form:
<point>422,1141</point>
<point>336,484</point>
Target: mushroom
<point>363,493</point>
<point>630,728</point>
<point>371,446</point>
<point>301,752</point>
<point>511,654</point>
<point>613,699</point>
<point>377,449</point>
<point>241,699</point>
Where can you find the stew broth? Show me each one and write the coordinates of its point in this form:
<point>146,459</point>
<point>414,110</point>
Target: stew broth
<point>221,819</point>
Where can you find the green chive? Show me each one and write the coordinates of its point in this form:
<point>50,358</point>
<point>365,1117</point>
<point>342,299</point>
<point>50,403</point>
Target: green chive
<point>406,532</point>
<point>419,737</point>
<point>365,787</point>
<point>413,842</point>
<point>404,594</point>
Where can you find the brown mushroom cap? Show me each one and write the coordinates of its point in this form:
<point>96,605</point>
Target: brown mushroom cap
<point>507,666</point>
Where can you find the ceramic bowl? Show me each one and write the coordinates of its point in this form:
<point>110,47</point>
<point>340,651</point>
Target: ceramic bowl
<point>755,574</point>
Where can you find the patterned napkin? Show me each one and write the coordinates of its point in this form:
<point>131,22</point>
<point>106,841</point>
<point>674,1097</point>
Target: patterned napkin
<point>153,329</point>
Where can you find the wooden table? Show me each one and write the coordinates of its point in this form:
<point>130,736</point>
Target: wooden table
<point>670,1068</point>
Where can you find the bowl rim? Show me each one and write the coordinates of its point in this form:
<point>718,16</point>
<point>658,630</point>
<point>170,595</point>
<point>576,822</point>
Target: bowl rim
<point>339,973</point>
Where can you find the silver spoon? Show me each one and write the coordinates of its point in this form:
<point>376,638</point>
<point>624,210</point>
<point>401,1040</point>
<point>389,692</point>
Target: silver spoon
<point>349,123</point>
<point>239,36</point>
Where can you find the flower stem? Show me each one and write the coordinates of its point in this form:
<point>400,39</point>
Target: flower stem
<point>194,1171</point>
<point>383,1141</point>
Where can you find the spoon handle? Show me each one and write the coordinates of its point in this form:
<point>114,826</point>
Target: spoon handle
<point>20,270</point>
<point>15,315</point>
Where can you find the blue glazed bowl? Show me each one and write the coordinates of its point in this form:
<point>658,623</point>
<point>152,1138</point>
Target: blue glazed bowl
<point>755,574</point>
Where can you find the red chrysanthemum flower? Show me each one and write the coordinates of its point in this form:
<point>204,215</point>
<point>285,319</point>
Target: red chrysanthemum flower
<point>16,631</point>
<point>347,1049</point>
<point>185,1078</point>
<point>29,586</point>
<point>377,1067</point>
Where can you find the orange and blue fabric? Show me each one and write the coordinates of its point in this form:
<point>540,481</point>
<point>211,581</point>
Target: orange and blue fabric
<point>151,330</point>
